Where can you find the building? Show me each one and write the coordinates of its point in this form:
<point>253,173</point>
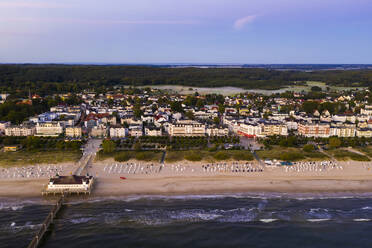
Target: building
<point>250,130</point>
<point>153,131</point>
<point>314,129</point>
<point>117,132</point>
<point>3,125</point>
<point>99,132</point>
<point>73,132</point>
<point>70,184</point>
<point>364,132</point>
<point>49,129</point>
<point>272,128</point>
<point>135,131</point>
<point>215,131</point>
<point>367,110</point>
<point>11,148</point>
<point>20,131</point>
<point>343,131</point>
<point>187,128</point>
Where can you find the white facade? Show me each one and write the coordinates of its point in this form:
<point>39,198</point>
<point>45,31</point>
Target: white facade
<point>73,132</point>
<point>49,129</point>
<point>19,131</point>
<point>117,132</point>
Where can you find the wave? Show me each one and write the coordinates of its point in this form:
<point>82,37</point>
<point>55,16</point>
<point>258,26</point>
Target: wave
<point>81,220</point>
<point>366,208</point>
<point>361,220</point>
<point>18,204</point>
<point>13,227</point>
<point>187,197</point>
<point>318,220</point>
<point>268,220</point>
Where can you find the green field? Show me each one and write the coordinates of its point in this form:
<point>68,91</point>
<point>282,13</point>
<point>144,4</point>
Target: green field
<point>21,158</point>
<point>344,155</point>
<point>199,155</point>
<point>366,150</point>
<point>290,154</point>
<point>127,155</point>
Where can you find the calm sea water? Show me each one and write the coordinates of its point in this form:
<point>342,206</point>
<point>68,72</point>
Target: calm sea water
<point>261,220</point>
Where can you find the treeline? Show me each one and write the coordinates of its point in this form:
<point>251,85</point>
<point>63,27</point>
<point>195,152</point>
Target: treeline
<point>33,143</point>
<point>16,112</point>
<point>48,79</point>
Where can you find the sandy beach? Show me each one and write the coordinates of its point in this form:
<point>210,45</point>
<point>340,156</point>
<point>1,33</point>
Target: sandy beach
<point>192,178</point>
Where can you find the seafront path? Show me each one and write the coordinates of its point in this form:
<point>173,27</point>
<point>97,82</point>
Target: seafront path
<point>89,152</point>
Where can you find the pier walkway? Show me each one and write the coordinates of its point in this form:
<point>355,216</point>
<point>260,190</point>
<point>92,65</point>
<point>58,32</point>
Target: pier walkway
<point>35,242</point>
<point>89,153</point>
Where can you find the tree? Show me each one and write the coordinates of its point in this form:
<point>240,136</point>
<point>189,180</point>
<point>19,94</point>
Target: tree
<point>190,115</point>
<point>308,148</point>
<point>108,146</point>
<point>200,103</point>
<point>221,108</point>
<point>216,120</point>
<point>137,110</point>
<point>316,88</point>
<point>176,106</point>
<point>334,142</point>
<point>310,106</point>
<point>137,146</point>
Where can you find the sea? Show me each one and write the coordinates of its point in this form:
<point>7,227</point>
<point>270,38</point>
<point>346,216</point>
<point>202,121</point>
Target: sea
<point>226,220</point>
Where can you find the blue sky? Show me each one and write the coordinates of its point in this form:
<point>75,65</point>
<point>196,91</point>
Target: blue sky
<point>186,31</point>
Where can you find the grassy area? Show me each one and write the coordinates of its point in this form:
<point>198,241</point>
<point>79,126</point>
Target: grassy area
<point>127,155</point>
<point>199,155</point>
<point>367,150</point>
<point>290,154</point>
<point>27,157</point>
<point>344,155</point>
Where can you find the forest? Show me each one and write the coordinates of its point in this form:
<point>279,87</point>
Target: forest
<point>46,79</point>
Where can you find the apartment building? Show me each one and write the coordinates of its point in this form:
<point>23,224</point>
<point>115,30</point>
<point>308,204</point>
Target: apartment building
<point>364,132</point>
<point>187,128</point>
<point>20,131</point>
<point>314,129</point>
<point>117,132</point>
<point>343,131</point>
<point>153,131</point>
<point>215,131</point>
<point>98,132</point>
<point>49,129</point>
<point>270,129</point>
<point>251,130</point>
<point>75,132</point>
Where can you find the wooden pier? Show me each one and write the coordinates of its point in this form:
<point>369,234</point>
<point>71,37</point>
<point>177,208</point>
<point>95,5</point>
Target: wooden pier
<point>35,242</point>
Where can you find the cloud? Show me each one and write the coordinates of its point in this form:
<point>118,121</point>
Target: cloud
<point>29,4</point>
<point>101,21</point>
<point>241,22</point>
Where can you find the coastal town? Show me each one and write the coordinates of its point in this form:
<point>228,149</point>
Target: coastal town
<point>152,119</point>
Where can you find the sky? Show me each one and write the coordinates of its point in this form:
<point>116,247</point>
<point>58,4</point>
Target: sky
<point>186,31</point>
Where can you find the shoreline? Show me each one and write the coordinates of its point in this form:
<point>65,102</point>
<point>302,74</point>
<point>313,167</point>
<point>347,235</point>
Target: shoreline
<point>197,186</point>
<point>191,178</point>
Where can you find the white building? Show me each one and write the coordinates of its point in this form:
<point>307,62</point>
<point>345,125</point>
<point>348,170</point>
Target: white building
<point>117,132</point>
<point>153,131</point>
<point>74,184</point>
<point>187,128</point>
<point>20,131</point>
<point>73,132</point>
<point>49,129</point>
<point>215,131</point>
